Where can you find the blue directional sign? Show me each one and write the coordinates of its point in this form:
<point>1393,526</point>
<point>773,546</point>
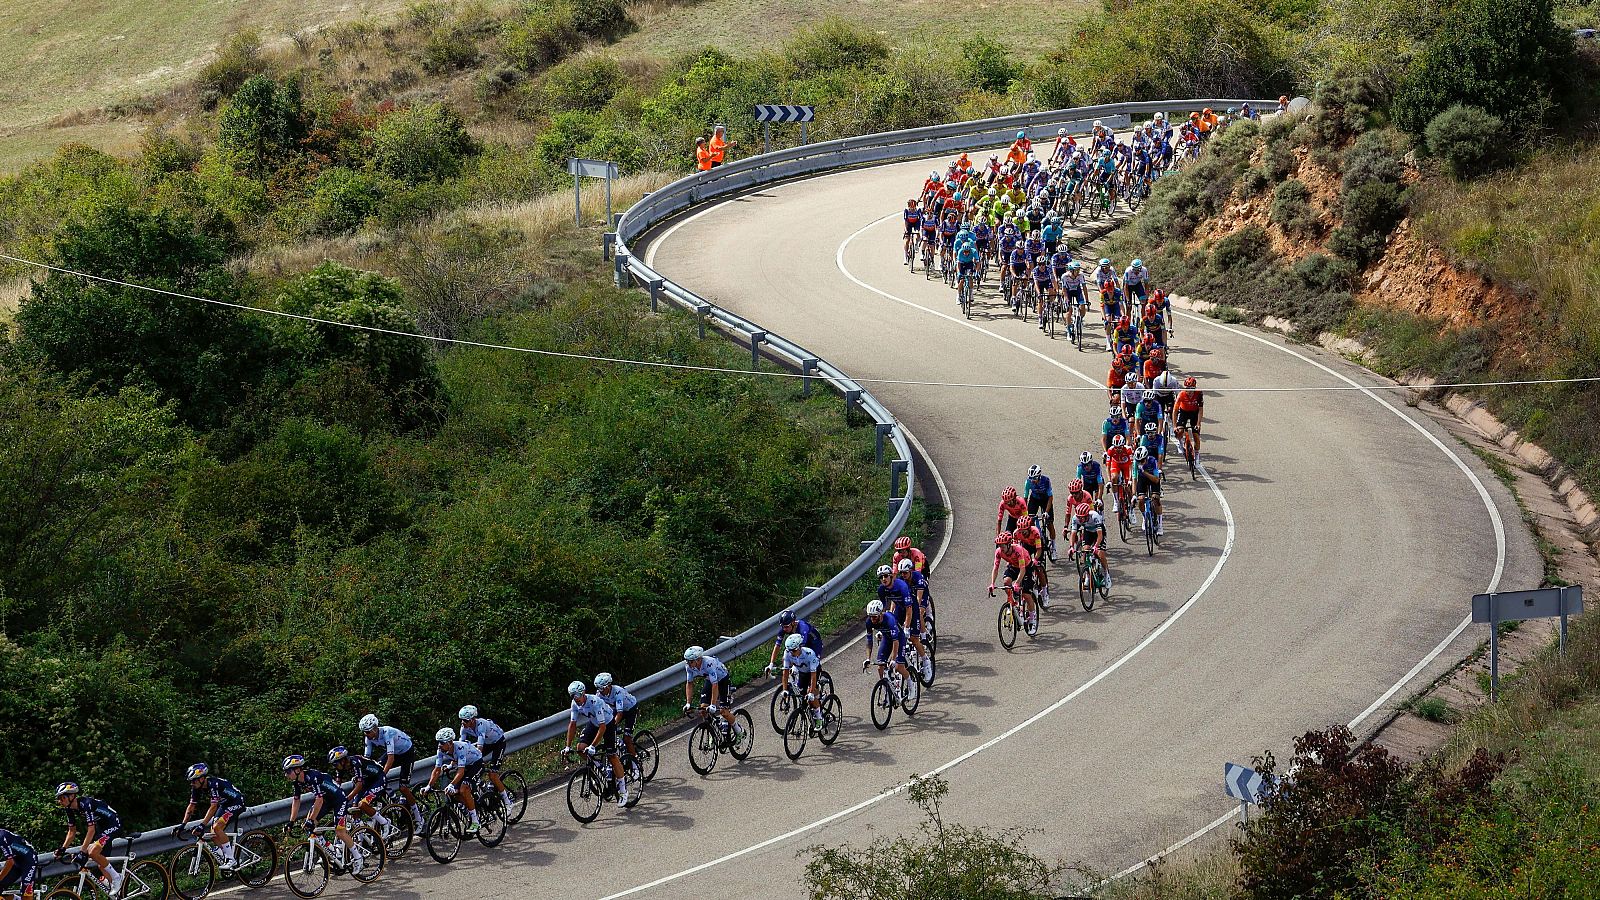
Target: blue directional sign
<point>781,112</point>
<point>1242,783</point>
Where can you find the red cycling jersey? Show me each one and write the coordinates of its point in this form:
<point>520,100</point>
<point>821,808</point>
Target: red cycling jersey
<point>1014,555</point>
<point>1030,538</point>
<point>1120,459</point>
<point>1080,497</point>
<point>915,555</point>
<point>1015,509</point>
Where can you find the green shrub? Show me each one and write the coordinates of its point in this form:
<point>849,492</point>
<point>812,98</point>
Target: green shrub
<point>1505,57</point>
<point>1253,182</point>
<point>1466,139</point>
<point>604,19</point>
<point>1322,272</point>
<point>426,142</point>
<point>1241,249</point>
<point>1276,157</point>
<point>586,84</point>
<point>341,199</point>
<point>560,141</point>
<point>447,50</point>
<point>1375,156</point>
<point>538,38</point>
<point>1292,210</point>
<point>262,124</point>
<point>1343,107</point>
<point>238,60</point>
<point>834,44</point>
<point>1369,212</point>
<point>162,152</point>
<point>986,64</point>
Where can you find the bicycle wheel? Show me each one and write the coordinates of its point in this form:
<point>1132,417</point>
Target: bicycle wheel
<point>933,664</point>
<point>1104,586</point>
<point>306,871</point>
<point>1050,319</point>
<point>1149,531</point>
<point>1093,572</point>
<point>703,749</point>
<point>1008,625</point>
<point>373,854</point>
<point>743,745</point>
<point>257,856</point>
<point>796,731</point>
<point>146,879</point>
<point>517,787</point>
<point>911,696</point>
<point>780,707</point>
<point>824,683</point>
<point>398,831</point>
<point>491,820</point>
<point>648,753</point>
<point>1123,524</point>
<point>882,704</point>
<point>1083,586</point>
<point>832,719</point>
<point>585,793</point>
<point>1030,626</point>
<point>442,834</point>
<point>194,873</point>
<point>62,892</point>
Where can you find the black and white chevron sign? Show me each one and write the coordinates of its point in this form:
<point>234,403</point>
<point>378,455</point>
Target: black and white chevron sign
<point>780,112</point>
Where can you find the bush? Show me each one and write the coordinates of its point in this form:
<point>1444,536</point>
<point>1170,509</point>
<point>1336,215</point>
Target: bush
<point>1276,158</point>
<point>238,60</point>
<point>538,38</point>
<point>448,49</point>
<point>1505,57</point>
<point>986,64</point>
<point>262,124</point>
<point>1322,272</point>
<point>604,19</point>
<point>426,142</point>
<point>1375,156</point>
<point>1369,213</point>
<point>586,84</point>
<point>341,199</point>
<point>1241,249</point>
<point>832,45</point>
<point>1343,107</point>
<point>1253,182</point>
<point>1466,139</point>
<point>1292,210</point>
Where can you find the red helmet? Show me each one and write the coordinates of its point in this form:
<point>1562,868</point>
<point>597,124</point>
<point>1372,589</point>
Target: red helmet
<point>1148,338</point>
<point>1158,353</point>
<point>1124,322</point>
<point>1075,485</point>
<point>1004,539</point>
<point>902,543</point>
<point>1160,293</point>
<point>1009,494</point>
<point>1283,98</point>
<point>1190,382</point>
<point>1083,510</point>
<point>1024,522</point>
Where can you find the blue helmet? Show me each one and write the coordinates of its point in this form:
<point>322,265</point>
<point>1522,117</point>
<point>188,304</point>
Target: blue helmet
<point>787,618</point>
<point>1022,135</point>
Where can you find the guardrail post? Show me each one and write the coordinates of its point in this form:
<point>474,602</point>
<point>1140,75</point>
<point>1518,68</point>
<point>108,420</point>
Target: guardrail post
<point>700,314</point>
<point>607,241</point>
<point>807,366</point>
<point>896,469</point>
<point>619,269</point>
<point>883,429</point>
<point>655,293</point>
<point>866,544</point>
<point>616,219</point>
<point>851,398</point>
<point>757,338</point>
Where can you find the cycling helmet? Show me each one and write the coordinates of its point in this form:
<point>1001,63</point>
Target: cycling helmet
<point>602,681</point>
<point>445,736</point>
<point>1283,98</point>
<point>1004,539</point>
<point>1118,440</point>
<point>1190,382</point>
<point>1024,522</point>
<point>1104,261</point>
<point>875,608</point>
<point>1138,264</point>
<point>912,202</point>
<point>1098,124</point>
<point>692,654</point>
<point>1194,116</point>
<point>935,177</point>
<point>1149,428</point>
<point>1142,454</point>
<point>1125,322</point>
<point>794,642</point>
<point>1074,265</point>
<point>340,754</point>
<point>1008,494</point>
<point>956,196</point>
<point>367,723</point>
<point>1083,457</point>
<point>1208,111</point>
<point>1034,471</point>
<point>66,789</point>
<point>884,570</point>
<point>907,565</point>
<point>1022,135</point>
<point>1061,132</point>
<point>903,542</point>
<point>1075,485</point>
<point>291,762</point>
<point>1161,117</point>
<point>198,770</point>
<point>1149,395</point>
<point>1082,510</point>
<point>1116,411</point>
<point>993,192</point>
<point>467,713</point>
<point>786,618</point>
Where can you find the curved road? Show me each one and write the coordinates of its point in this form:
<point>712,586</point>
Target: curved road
<point>1330,552</point>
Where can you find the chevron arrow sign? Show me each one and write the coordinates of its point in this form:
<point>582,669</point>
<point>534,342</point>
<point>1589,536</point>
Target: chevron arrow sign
<point>780,112</point>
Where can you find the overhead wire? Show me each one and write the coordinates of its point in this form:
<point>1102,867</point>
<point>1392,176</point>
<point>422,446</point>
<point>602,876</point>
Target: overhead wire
<point>762,373</point>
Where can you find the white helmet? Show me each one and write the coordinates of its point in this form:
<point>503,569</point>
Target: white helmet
<point>1149,395</point>
<point>1142,454</point>
<point>907,565</point>
<point>1118,440</point>
<point>875,608</point>
<point>1083,457</point>
<point>694,653</point>
<point>1161,117</point>
<point>367,723</point>
<point>444,735</point>
<point>603,680</point>
<point>1034,471</point>
<point>1061,132</point>
<point>793,642</point>
<point>574,689</point>
<point>467,712</point>
<point>1098,124</point>
<point>884,570</point>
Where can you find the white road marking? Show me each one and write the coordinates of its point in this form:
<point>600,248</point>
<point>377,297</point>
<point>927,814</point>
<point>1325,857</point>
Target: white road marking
<point>950,512</point>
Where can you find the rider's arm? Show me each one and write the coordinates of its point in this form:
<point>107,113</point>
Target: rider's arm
<point>187,810</point>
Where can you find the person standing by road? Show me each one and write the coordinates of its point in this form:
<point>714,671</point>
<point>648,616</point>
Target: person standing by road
<point>719,146</point>
<point>702,155</point>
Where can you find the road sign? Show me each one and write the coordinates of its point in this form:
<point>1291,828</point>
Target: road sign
<point>781,112</point>
<point>1514,606</point>
<point>1242,782</point>
<point>580,169</point>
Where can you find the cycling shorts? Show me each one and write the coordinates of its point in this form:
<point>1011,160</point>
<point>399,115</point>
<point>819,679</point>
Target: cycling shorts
<point>353,801</point>
<point>402,767</point>
<point>966,267</point>
<point>629,718</point>
<point>1050,247</point>
<point>1092,484</point>
<point>104,838</point>
<point>1187,418</point>
<point>724,691</point>
<point>930,235</point>
<point>493,752</point>
<point>947,241</point>
<point>1042,285</point>
<point>608,744</point>
<point>1139,289</point>
<point>912,228</point>
<point>230,812</point>
<point>1037,504</point>
<point>23,871</point>
<point>1147,485</point>
<point>983,244</point>
<point>1120,470</point>
<point>1019,271</point>
<point>881,653</point>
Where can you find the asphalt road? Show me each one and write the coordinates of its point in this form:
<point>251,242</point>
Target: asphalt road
<point>1328,555</point>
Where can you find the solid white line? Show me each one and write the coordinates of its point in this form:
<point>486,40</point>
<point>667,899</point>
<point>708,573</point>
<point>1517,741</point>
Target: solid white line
<point>1152,637</point>
<point>1494,581</point>
<point>950,514</point>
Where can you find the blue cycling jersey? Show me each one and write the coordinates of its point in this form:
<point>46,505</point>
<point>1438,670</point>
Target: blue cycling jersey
<point>710,669</point>
<point>591,710</point>
<point>1114,426</point>
<point>967,253</point>
<point>1150,467</point>
<point>1037,485</point>
<point>482,732</point>
<point>1089,472</point>
<point>618,698</point>
<point>96,812</point>
<point>461,753</point>
<point>321,784</point>
<point>916,581</point>
<point>887,628</point>
<point>804,660</point>
<point>367,771</point>
<point>19,851</point>
<point>216,790</point>
<point>389,740</point>
<point>896,598</point>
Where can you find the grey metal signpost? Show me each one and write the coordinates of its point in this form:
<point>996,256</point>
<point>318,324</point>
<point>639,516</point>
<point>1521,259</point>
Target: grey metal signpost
<point>589,168</point>
<point>1515,606</point>
<point>767,113</point>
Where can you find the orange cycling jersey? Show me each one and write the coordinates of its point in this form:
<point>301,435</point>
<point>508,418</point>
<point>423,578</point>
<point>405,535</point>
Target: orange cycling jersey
<point>1016,509</point>
<point>1152,368</point>
<point>1018,152</point>
<point>1014,555</point>
<point>1189,401</point>
<point>1030,538</point>
<point>915,555</point>
<point>1117,377</point>
<point>1080,497</point>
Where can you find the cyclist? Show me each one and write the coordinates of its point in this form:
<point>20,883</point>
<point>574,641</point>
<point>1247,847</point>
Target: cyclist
<point>1188,410</point>
<point>1019,572</point>
<point>1076,494</point>
<point>1032,540</point>
<point>1132,393</point>
<point>1012,508</point>
<point>1152,323</point>
<point>222,802</point>
<point>805,665</point>
<point>1147,482</point>
<point>100,824</point>
<point>1040,497</point>
<point>918,584</point>
<point>490,740</point>
<point>394,748</point>
<point>718,692</point>
<point>1063,147</point>
<point>1008,241</point>
<point>597,718</point>
<point>1149,412</point>
<point>626,706</point>
<point>1119,460</point>
<point>903,550</point>
<point>1092,476</point>
<point>1115,426</point>
<point>891,641</point>
<point>947,239</point>
<point>930,235</point>
<point>912,216</point>
<point>1151,438</point>
<point>19,864</point>
<point>1125,335</point>
<point>325,795</point>
<point>463,763</point>
<point>366,784</point>
<point>895,595</point>
<point>983,238</point>
<point>1019,270</point>
<point>1089,530</point>
<point>967,255</point>
<point>1044,287</point>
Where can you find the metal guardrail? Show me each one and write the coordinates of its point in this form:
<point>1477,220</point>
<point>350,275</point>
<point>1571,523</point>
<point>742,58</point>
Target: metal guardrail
<point>731,178</point>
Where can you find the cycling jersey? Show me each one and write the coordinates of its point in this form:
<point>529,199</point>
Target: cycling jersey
<point>1014,555</point>
<point>982,233</point>
<point>483,733</point>
<point>591,710</point>
<point>1120,459</point>
<point>1035,248</point>
<point>1089,473</point>
<point>802,660</point>
<point>896,598</point>
<point>1015,509</point>
<point>913,219</point>
<point>1189,400</point>
<point>887,628</point>
<point>1154,443</point>
<point>1031,539</point>
<point>917,582</point>
<point>967,254</point>
<point>1019,261</point>
<point>1135,276</point>
<point>19,851</point>
<point>807,632</point>
<point>1042,276</point>
<point>1132,391</point>
<point>368,772</point>
<point>1059,261</point>
<point>1150,468</point>
<point>94,812</point>
<point>1091,529</point>
<point>389,740</point>
<point>460,754</point>
<point>1113,426</point>
<point>1038,485</point>
<point>216,790</point>
<point>616,697</point>
<point>710,669</point>
<point>1149,411</point>
<point>321,784</point>
<point>1166,386</point>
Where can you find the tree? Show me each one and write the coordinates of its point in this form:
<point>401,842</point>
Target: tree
<point>1502,56</point>
<point>426,142</point>
<point>986,64</point>
<point>263,122</point>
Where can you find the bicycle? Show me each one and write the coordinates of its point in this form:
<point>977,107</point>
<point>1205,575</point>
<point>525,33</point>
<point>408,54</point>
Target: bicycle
<point>964,294</point>
<point>1013,617</point>
<point>800,726</point>
<point>713,736</point>
<point>892,690</point>
<point>911,251</point>
<point>1148,524</point>
<point>145,879</point>
<point>310,865</point>
<point>1186,441</point>
<point>515,785</point>
<point>398,831</point>
<point>646,752</point>
<point>788,696</point>
<point>1091,578</point>
<point>593,783</point>
<point>1124,516</point>
<point>1077,318</point>
<point>1054,313</point>
<point>194,869</point>
<point>446,825</point>
<point>927,260</point>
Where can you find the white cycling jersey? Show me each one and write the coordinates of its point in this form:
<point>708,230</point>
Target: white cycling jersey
<point>1136,276</point>
<point>1165,385</point>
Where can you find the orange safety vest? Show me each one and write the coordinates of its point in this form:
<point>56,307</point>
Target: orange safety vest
<point>702,157</point>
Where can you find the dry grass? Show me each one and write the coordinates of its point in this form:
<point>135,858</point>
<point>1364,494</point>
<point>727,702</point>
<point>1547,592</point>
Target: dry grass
<point>543,218</point>
<point>1209,874</point>
<point>12,292</point>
